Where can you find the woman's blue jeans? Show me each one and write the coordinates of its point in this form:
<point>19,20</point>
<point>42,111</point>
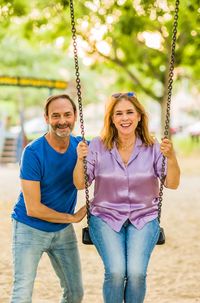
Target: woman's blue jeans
<point>28,246</point>
<point>125,255</point>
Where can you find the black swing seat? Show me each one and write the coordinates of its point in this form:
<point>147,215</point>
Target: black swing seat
<point>86,236</point>
<point>87,240</point>
<point>161,239</point>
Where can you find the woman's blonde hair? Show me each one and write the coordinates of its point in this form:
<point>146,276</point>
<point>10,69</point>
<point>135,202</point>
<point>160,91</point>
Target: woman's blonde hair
<point>109,133</point>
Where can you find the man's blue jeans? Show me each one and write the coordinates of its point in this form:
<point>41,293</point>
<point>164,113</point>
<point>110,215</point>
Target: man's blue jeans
<point>61,247</point>
<point>125,255</point>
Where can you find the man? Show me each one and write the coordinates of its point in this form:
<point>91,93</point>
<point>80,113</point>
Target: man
<point>44,211</point>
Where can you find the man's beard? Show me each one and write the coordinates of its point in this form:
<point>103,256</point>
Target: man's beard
<point>57,129</point>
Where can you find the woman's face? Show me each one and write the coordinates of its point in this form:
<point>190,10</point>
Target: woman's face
<point>125,118</point>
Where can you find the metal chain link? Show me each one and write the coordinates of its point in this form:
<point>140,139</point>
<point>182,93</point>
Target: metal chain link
<point>169,95</point>
<point>78,86</point>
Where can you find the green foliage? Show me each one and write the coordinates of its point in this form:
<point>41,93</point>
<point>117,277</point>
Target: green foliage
<point>140,61</point>
<point>186,146</point>
<point>35,38</point>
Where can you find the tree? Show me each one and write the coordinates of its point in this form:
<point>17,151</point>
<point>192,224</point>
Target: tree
<point>131,37</point>
<point>135,36</point>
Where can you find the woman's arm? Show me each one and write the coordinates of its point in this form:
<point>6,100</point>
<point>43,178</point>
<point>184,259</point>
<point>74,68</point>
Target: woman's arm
<point>78,174</point>
<point>173,171</point>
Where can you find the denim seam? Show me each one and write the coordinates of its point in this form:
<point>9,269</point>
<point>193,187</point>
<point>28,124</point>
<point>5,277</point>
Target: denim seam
<point>14,244</point>
<point>61,269</point>
<point>153,242</point>
<point>100,250</point>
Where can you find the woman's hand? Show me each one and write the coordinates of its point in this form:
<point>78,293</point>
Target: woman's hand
<point>173,171</point>
<point>80,214</point>
<point>82,150</point>
<point>79,174</point>
<point>166,148</point>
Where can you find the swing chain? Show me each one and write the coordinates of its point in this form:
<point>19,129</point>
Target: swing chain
<point>78,86</point>
<point>169,95</point>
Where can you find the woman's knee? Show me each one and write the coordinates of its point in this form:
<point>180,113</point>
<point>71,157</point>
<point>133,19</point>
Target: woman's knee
<point>136,279</point>
<point>115,277</point>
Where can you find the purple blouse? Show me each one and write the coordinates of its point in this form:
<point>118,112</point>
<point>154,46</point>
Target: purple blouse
<point>124,192</point>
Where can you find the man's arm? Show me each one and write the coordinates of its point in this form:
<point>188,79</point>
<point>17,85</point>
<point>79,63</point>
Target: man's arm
<point>34,207</point>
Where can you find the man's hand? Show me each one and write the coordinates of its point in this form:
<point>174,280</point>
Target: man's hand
<point>80,214</point>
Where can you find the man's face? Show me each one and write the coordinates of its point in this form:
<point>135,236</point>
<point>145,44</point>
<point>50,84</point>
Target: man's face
<point>61,117</point>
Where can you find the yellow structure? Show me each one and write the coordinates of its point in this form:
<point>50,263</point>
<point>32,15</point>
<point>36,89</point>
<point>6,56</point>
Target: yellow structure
<point>32,82</point>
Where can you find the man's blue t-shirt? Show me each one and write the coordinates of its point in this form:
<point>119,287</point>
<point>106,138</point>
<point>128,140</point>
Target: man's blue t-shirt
<point>54,170</point>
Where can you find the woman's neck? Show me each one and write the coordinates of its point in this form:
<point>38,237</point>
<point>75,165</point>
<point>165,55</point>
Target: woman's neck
<point>126,142</point>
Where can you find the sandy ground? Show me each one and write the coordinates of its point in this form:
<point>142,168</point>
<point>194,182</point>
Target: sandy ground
<point>174,271</point>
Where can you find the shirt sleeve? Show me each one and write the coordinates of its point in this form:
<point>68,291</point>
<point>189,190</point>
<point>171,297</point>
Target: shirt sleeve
<point>158,161</point>
<point>30,168</point>
<point>92,160</point>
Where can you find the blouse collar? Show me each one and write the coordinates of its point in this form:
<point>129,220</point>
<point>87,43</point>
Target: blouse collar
<point>137,148</point>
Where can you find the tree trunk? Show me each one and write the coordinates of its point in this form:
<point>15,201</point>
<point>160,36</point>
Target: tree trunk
<point>163,108</point>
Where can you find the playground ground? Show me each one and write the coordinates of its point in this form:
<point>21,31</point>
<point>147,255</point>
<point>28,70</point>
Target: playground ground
<point>174,271</point>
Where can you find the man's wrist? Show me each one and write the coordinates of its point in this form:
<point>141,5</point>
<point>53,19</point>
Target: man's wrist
<point>69,218</point>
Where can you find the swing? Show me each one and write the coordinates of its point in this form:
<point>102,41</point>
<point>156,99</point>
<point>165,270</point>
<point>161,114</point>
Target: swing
<point>85,234</point>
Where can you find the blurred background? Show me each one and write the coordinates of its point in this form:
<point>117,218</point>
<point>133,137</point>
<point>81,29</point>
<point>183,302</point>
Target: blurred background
<point>123,45</point>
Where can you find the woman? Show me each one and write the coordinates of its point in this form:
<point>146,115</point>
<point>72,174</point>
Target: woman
<point>125,163</point>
